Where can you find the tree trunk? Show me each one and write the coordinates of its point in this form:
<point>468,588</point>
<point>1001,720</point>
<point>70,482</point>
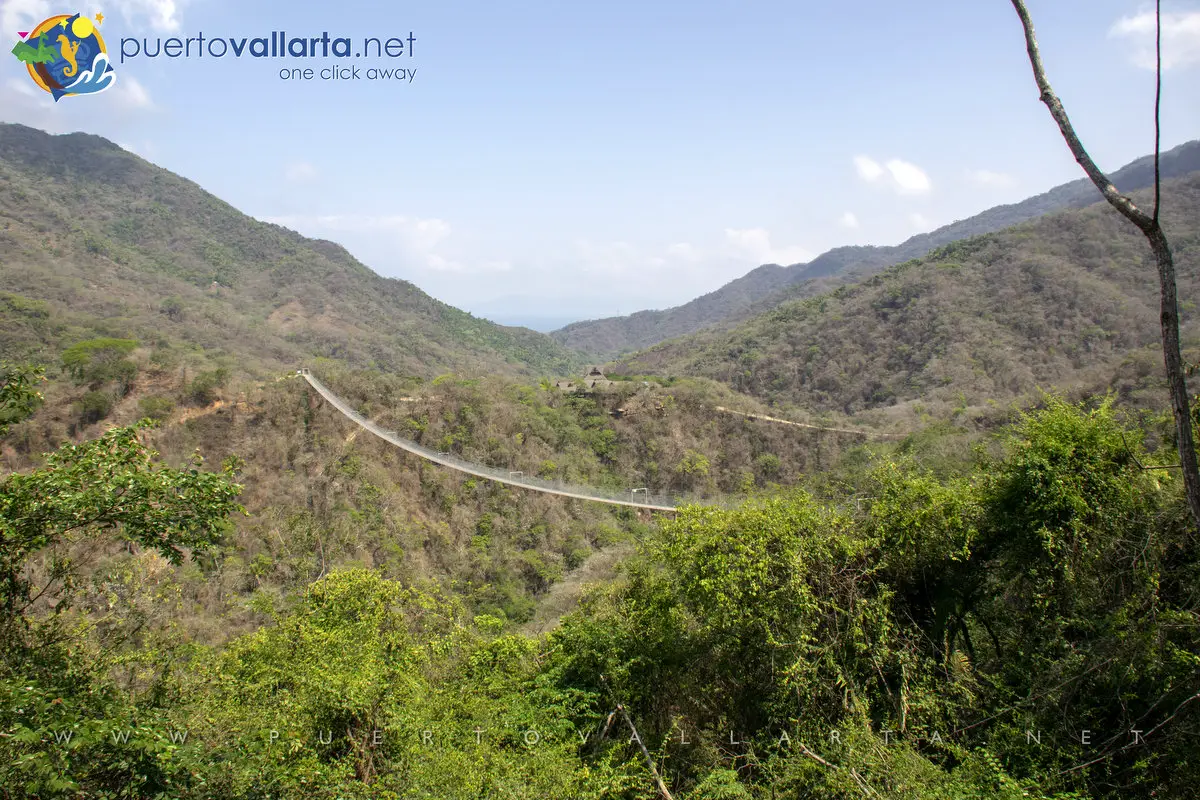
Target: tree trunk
<point>1169,321</point>
<point>1149,226</point>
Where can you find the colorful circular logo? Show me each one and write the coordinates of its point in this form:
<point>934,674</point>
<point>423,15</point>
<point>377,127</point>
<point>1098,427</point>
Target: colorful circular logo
<point>66,56</point>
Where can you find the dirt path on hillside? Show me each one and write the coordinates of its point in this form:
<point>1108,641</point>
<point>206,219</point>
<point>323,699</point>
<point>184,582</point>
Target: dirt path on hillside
<point>765,418</point>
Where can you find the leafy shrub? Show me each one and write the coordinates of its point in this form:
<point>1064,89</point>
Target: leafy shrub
<point>203,388</point>
<point>156,407</point>
<point>24,306</point>
<point>172,307</point>
<point>768,465</point>
<point>99,361</point>
<point>94,406</point>
<point>693,463</point>
<point>18,396</point>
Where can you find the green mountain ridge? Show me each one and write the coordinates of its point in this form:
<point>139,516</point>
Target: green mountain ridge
<point>113,245</point>
<point>769,285</point>
<point>1058,301</point>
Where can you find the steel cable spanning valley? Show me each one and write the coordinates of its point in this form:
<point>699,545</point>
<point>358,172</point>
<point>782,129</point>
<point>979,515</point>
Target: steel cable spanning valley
<point>490,473</point>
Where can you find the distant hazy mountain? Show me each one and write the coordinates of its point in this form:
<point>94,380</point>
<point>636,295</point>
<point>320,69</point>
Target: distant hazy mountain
<point>770,285</point>
<point>1062,300</point>
<point>96,241</point>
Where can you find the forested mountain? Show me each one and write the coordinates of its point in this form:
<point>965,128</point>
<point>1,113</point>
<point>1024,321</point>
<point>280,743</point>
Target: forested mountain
<point>769,285</point>
<point>103,242</point>
<point>1050,302</point>
<point>142,296</point>
<point>213,586</point>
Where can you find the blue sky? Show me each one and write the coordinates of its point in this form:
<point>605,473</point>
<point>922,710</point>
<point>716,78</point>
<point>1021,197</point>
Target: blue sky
<point>561,160</point>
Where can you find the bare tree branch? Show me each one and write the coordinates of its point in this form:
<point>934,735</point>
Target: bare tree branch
<point>1140,739</point>
<point>1149,226</point>
<point>862,784</point>
<point>662,787</point>
<point>816,758</point>
<point>1157,106</point>
<point>1140,465</point>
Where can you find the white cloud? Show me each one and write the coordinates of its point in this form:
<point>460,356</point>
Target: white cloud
<point>755,244</point>
<point>848,220</point>
<point>442,264</point>
<point>990,179</point>
<point>118,116</point>
<point>411,244</point>
<point>906,178</point>
<point>422,233</point>
<point>920,221</point>
<point>603,276</point>
<point>868,169</point>
<point>160,15</point>
<point>300,172</point>
<point>21,95</point>
<point>23,87</point>
<point>684,252</point>
<point>611,259</point>
<point>438,263</point>
<point>21,15</point>
<point>1180,38</point>
<point>909,178</point>
<point>21,101</point>
<point>683,264</point>
<point>145,149</point>
<point>130,94</point>
<point>659,276</point>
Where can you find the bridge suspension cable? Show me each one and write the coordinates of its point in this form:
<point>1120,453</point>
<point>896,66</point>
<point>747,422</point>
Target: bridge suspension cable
<point>490,473</point>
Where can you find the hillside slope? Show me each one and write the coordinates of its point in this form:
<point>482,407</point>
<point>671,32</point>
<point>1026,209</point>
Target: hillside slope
<point>99,248</point>
<point>1052,302</point>
<point>97,241</point>
<point>769,285</point>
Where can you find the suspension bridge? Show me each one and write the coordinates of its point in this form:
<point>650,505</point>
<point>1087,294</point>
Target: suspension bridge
<point>633,498</point>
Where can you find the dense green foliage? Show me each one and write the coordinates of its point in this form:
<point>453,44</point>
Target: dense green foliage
<point>55,686</point>
<point>930,637</point>
<point>98,361</point>
<point>19,397</point>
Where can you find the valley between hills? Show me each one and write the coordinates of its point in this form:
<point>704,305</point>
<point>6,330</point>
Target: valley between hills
<point>912,489</point>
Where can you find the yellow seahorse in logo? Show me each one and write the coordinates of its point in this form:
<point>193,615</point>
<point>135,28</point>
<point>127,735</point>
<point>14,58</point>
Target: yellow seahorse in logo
<point>68,52</point>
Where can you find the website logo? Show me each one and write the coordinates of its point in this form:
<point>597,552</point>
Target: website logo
<point>66,56</point>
